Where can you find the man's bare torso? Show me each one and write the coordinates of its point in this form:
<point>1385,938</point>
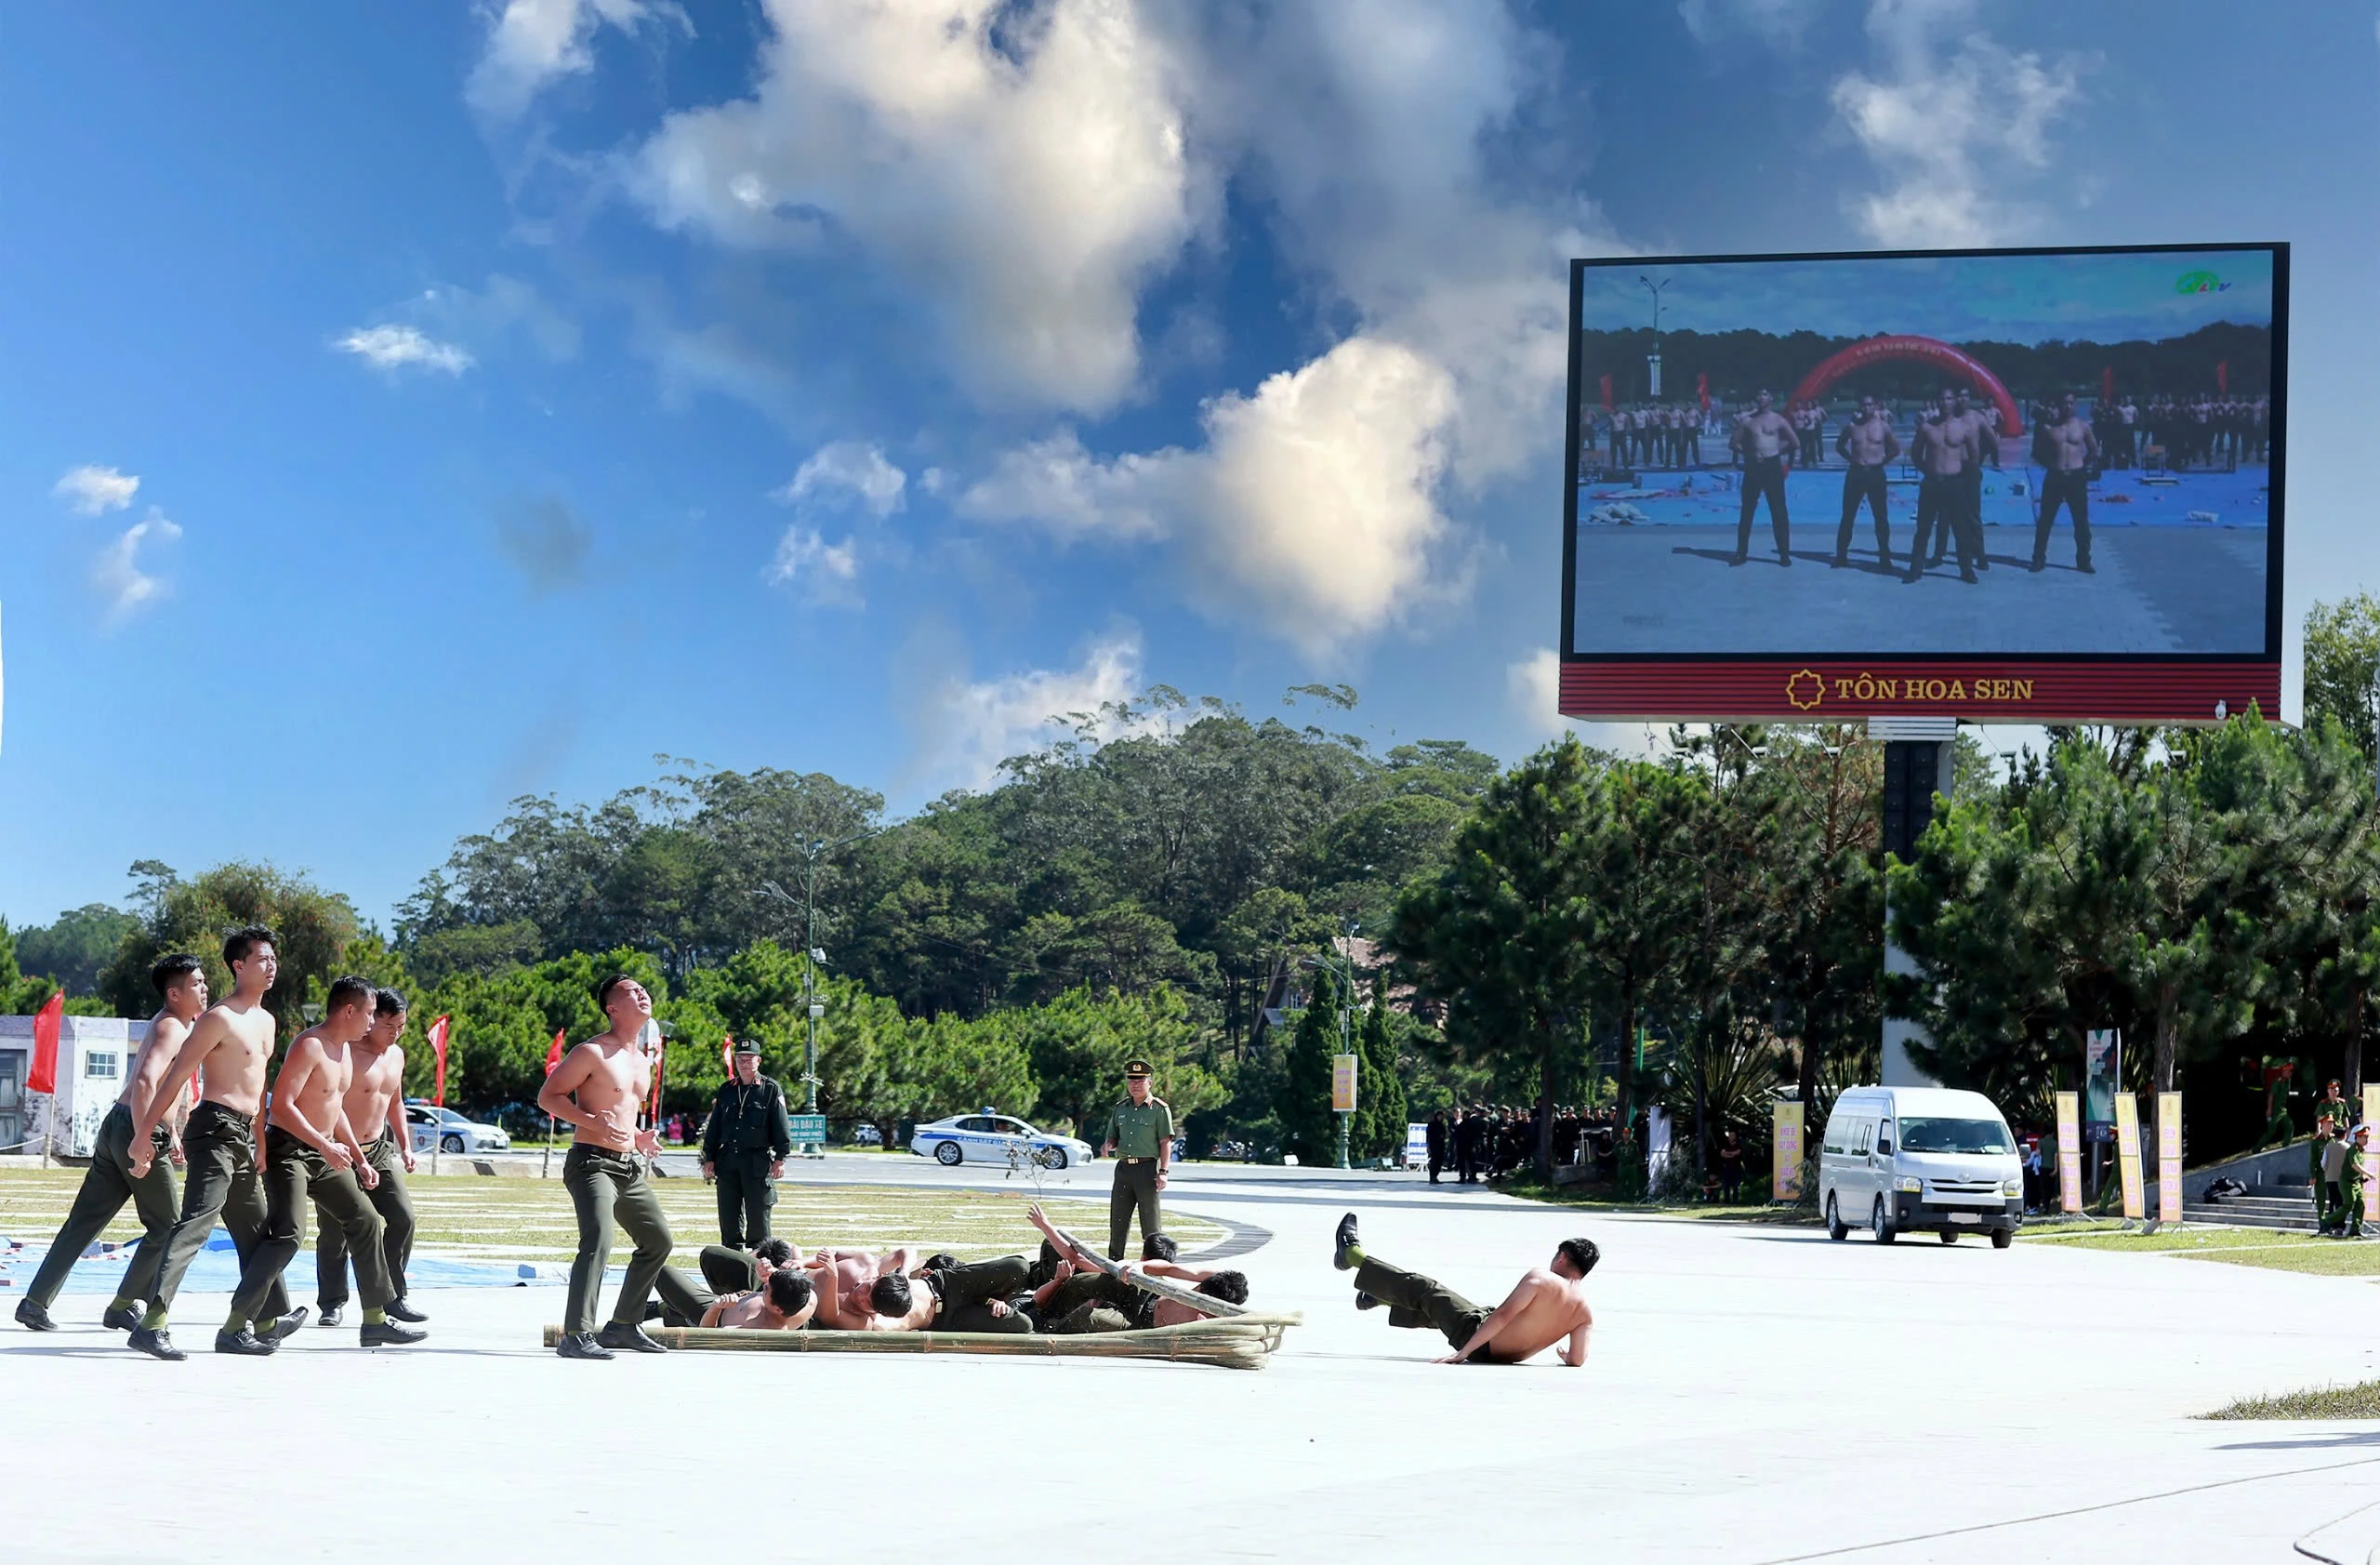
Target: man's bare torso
<point>1869,442</point>
<point>2066,447</point>
<point>1945,454</point>
<point>1767,434</point>
<point>318,1096</point>
<point>613,1088</point>
<point>378,1076</point>
<point>1556,1309</point>
<point>166,1031</point>
<point>235,1064</point>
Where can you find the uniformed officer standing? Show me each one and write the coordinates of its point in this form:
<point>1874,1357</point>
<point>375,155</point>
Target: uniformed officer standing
<point>2354,1170</point>
<point>744,1149</point>
<point>1140,1132</point>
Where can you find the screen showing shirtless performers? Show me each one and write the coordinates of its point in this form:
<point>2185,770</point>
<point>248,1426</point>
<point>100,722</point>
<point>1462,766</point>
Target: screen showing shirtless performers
<point>2031,452</point>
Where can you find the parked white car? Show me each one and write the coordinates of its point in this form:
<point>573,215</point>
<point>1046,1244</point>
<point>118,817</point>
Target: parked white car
<point>452,1132</point>
<point>1901,1158</point>
<point>997,1139</point>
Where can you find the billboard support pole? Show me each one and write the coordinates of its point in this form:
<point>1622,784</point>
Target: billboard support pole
<point>1917,767</point>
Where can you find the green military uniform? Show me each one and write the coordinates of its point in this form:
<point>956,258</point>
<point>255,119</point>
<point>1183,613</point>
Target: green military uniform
<point>2351,1192</point>
<point>748,1132</point>
<point>294,1172</point>
<point>107,1185</point>
<point>1418,1303</point>
<point>608,1188</point>
<point>1142,1134</point>
<point>390,1200</point>
<point>2314,1150</point>
<point>219,1145</point>
<point>967,1291</point>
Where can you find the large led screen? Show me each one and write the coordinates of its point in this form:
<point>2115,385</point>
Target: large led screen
<point>1966,465</point>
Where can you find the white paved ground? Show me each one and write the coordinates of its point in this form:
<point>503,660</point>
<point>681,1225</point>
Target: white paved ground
<point>1755,1395</point>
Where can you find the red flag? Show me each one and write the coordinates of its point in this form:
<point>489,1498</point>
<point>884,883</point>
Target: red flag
<point>2223,376</point>
<point>553,1050</point>
<point>2106,382</point>
<point>1702,391</point>
<point>43,1076</point>
<point>1606,393</point>
<point>653,1103</point>
<point>727,1053</point>
<point>438,1047</point>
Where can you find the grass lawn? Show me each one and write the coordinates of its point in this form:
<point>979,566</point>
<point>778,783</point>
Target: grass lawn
<point>2328,1402</point>
<point>2275,1249</point>
<point>477,1217</point>
<point>1601,1200</point>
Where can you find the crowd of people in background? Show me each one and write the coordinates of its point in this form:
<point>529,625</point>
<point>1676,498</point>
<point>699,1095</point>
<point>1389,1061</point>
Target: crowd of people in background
<point>2183,432</point>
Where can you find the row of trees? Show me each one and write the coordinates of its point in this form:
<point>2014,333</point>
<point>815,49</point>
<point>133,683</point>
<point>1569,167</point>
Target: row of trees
<point>1580,929</point>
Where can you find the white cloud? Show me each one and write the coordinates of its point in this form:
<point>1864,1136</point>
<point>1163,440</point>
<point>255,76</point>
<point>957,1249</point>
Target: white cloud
<point>535,41</point>
<point>1535,686</point>
<point>1950,133</point>
<point>117,573</point>
<point>1311,508</point>
<point>847,468</point>
<point>966,730</point>
<point>825,573</point>
<point>1777,22</point>
<point>391,348</point>
<point>1024,187</point>
<point>93,491</point>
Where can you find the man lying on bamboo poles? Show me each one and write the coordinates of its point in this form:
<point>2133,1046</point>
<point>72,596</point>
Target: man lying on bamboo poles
<point>760,1290</point>
<point>1079,1295</point>
<point>843,1278</point>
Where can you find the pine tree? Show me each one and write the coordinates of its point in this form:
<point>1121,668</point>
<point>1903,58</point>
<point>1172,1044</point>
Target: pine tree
<point>1308,1127</point>
<point>1379,1089</point>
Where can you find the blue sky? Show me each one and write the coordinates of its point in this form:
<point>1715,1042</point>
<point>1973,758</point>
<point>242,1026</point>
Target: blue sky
<point>518,391</point>
<point>2007,299</point>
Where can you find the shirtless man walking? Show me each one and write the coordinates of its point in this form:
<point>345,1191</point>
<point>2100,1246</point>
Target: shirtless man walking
<point>376,1102</point>
<point>110,1182</point>
<point>596,1090</point>
<point>1942,455</point>
<point>312,1151</point>
<point>232,1043</point>
<point>2067,449</point>
<point>1547,1305</point>
<point>1867,444</point>
<point>1763,438</point>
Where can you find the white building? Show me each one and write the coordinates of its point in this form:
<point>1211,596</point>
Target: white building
<point>94,1056</point>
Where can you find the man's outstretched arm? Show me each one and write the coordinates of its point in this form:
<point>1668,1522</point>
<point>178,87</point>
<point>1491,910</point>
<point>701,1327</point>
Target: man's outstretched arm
<point>1574,1352</point>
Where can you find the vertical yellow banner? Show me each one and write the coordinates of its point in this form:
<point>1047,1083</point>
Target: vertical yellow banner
<point>1785,1127</point>
<point>2169,1157</point>
<point>2128,1154</point>
<point>2371,1183</point>
<point>2070,1152</point>
<point>1343,1083</point>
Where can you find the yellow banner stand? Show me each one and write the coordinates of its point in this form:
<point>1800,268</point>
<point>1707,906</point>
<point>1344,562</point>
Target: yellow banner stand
<point>2371,1185</point>
<point>2070,1152</point>
<point>2128,1155</point>
<point>2169,1158</point>
<point>1785,1136</point>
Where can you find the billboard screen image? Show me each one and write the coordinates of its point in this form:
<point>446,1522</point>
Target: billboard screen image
<point>2055,475</point>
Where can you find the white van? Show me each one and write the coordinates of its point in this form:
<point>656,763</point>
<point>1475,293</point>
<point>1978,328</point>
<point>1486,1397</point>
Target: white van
<point>1903,1159</point>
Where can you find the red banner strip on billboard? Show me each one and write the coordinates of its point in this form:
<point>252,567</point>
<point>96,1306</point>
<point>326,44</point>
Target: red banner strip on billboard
<point>1978,689</point>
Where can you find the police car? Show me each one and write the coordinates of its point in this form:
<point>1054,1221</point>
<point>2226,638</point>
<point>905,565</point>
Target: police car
<point>996,1139</point>
<point>452,1132</point>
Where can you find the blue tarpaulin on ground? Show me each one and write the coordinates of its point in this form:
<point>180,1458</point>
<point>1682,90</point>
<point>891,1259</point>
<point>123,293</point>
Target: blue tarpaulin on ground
<point>216,1269</point>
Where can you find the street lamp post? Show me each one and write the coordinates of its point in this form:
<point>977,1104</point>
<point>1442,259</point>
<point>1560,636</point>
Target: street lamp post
<point>1346,1043</point>
<point>813,956</point>
<point>1653,360</point>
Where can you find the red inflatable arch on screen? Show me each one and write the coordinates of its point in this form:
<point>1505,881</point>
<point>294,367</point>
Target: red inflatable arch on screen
<point>1913,350</point>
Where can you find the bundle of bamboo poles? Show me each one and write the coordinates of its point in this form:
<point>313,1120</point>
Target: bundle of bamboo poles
<point>1241,1343</point>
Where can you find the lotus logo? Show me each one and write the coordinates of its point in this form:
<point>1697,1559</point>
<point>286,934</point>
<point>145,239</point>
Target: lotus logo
<point>2200,283</point>
<point>1806,690</point>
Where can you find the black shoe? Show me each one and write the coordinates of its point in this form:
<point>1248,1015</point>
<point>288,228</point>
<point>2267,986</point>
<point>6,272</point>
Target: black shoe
<point>401,1309</point>
<point>578,1344</point>
<point>157,1345</point>
<point>287,1326</point>
<point>1968,576</point>
<point>653,1310</point>
<point>1840,562</point>
<point>2039,565</point>
<point>1343,1241</point>
<point>1365,1301</point>
<point>245,1343</point>
<point>33,1317</point>
<point>1736,561</point>
<point>388,1333</point>
<point>1784,559</point>
<point>121,1317</point>
<point>2085,568</point>
<point>626,1339</point>
<point>331,1315</point>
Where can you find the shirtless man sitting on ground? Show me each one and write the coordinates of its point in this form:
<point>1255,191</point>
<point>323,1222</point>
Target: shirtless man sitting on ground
<point>1547,1305</point>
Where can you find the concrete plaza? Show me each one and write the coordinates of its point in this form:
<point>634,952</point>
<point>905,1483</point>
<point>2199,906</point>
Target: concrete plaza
<point>1754,1394</point>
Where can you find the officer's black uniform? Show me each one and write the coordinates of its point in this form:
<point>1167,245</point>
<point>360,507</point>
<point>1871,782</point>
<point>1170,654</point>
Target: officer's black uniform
<point>747,1132</point>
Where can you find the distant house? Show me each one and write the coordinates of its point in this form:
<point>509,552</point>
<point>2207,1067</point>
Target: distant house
<point>94,1053</point>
